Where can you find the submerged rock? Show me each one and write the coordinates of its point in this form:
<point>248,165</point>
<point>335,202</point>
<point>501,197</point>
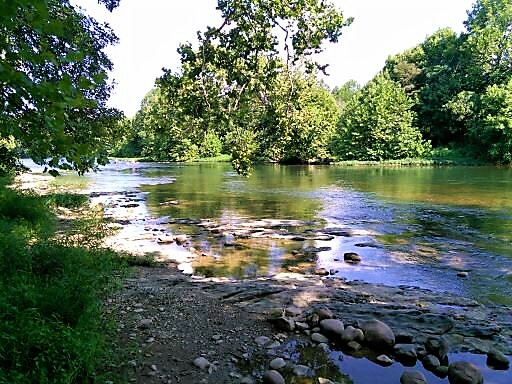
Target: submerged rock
<point>378,334</point>
<point>462,372</point>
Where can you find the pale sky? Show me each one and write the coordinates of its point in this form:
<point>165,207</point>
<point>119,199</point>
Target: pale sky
<point>151,30</point>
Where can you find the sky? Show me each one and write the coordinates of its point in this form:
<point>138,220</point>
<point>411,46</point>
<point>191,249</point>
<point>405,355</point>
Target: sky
<point>151,30</point>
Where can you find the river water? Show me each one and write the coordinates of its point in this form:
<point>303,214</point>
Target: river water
<point>411,226</point>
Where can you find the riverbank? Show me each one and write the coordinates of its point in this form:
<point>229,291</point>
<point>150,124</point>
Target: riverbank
<point>157,307</point>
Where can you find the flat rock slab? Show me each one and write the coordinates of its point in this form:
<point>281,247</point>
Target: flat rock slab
<point>467,325</point>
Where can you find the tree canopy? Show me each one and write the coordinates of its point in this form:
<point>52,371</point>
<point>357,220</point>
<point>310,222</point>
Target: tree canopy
<point>54,83</point>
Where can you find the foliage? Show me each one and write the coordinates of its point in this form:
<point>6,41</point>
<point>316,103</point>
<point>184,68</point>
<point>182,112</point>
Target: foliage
<point>51,325</point>
<point>377,125</point>
<point>54,83</point>
<point>68,200</point>
<point>344,93</point>
<point>226,83</point>
<point>491,127</point>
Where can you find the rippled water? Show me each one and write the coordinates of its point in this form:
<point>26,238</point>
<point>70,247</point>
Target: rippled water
<point>413,226</point>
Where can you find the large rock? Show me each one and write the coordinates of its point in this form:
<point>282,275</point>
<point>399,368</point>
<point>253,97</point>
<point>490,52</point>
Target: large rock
<point>462,372</point>
<point>273,377</point>
<point>378,335</point>
<point>412,377</point>
<point>352,257</point>
<point>332,328</point>
<point>431,362</point>
<point>497,359</point>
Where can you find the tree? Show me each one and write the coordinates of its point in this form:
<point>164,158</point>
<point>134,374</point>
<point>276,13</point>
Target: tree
<point>54,83</point>
<point>344,93</point>
<point>236,64</point>
<point>377,124</point>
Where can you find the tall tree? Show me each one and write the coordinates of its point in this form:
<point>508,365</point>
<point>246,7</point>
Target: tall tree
<point>241,59</point>
<point>377,124</point>
<point>54,83</point>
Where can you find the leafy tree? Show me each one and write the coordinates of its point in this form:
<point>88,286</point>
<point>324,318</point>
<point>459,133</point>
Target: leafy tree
<point>344,93</point>
<point>377,124</point>
<point>490,128</point>
<point>54,83</point>
<point>226,81</point>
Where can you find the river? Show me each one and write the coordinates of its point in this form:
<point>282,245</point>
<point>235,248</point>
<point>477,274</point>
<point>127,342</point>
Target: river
<point>411,226</point>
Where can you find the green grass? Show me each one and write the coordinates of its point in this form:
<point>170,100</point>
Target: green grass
<point>223,158</point>
<point>67,200</point>
<point>69,181</point>
<point>52,323</point>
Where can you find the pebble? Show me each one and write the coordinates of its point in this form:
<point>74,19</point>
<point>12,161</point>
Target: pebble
<point>278,363</point>
<point>246,380</point>
<point>301,370</point>
<point>145,323</point>
<point>273,377</point>
<point>319,338</point>
<point>262,341</point>
<point>384,360</point>
<point>201,363</point>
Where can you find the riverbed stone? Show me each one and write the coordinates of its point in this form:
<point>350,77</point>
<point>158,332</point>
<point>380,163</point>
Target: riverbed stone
<point>431,362</point>
<point>181,239</point>
<point>324,313</point>
<point>462,372</point>
<point>354,346</point>
<point>438,346</point>
<point>319,338</point>
<point>293,311</point>
<point>301,370</point>
<point>261,341</point>
<point>352,257</point>
<point>321,272</point>
<point>497,359</point>
<point>278,363</point>
<point>273,377</point>
<point>201,363</point>
<point>384,360</point>
<point>352,334</point>
<point>377,334</point>
<point>284,324</point>
<point>405,351</point>
<point>412,377</point>
<point>332,328</point>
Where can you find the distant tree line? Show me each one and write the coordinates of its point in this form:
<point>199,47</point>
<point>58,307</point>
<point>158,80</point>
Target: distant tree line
<point>235,95</point>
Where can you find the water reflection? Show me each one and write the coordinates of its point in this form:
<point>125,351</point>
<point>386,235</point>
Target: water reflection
<point>414,226</point>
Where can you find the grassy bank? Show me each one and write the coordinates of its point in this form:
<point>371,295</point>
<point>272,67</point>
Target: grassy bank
<point>52,327</point>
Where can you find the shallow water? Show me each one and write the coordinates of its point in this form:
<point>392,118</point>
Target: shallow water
<point>412,226</point>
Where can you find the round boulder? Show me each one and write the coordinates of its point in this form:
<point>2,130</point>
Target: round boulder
<point>497,359</point>
<point>412,377</point>
<point>462,372</point>
<point>352,257</point>
<point>273,377</point>
<point>378,335</point>
<point>332,328</point>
